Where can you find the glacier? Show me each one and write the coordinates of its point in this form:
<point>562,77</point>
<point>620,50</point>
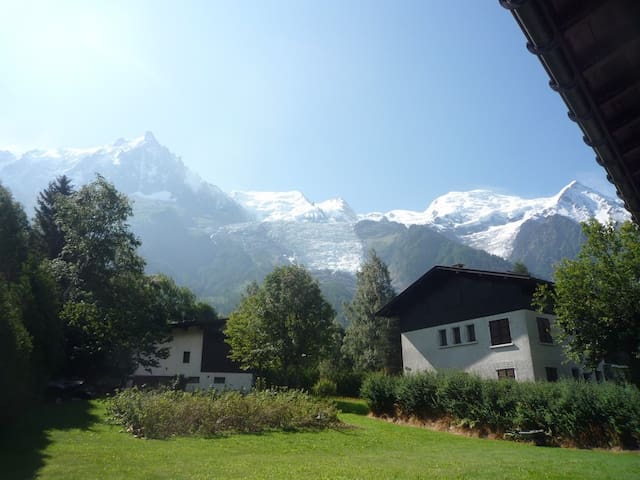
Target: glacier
<point>319,234</point>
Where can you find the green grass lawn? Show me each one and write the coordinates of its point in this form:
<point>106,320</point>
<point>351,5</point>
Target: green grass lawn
<point>71,441</point>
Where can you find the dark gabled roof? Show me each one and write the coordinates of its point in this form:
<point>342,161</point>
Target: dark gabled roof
<point>591,51</point>
<point>217,323</point>
<point>438,274</point>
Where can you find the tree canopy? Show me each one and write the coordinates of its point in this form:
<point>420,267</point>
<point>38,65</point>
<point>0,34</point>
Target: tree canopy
<point>373,343</point>
<point>597,297</point>
<point>47,232</point>
<point>282,327</point>
<point>14,236</point>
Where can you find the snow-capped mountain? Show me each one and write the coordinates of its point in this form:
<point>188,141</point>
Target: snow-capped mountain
<point>142,168</point>
<point>491,222</point>
<point>293,207</point>
<point>216,243</point>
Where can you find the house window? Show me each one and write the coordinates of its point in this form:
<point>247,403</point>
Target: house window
<point>575,371</point>
<point>456,335</point>
<point>544,330</point>
<point>471,333</point>
<point>219,380</point>
<point>186,357</point>
<point>552,374</point>
<point>443,337</point>
<point>506,373</point>
<point>598,376</point>
<point>193,379</point>
<point>500,333</point>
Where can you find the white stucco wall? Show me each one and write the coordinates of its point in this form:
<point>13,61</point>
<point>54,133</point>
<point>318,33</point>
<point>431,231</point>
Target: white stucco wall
<point>190,340</point>
<point>545,354</point>
<point>184,340</point>
<point>421,349</point>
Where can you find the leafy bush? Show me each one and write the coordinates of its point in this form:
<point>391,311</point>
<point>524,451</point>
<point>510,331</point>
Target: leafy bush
<point>460,395</point>
<point>416,395</point>
<point>166,413</point>
<point>324,388</point>
<point>379,390</point>
<point>568,412</point>
<point>348,382</point>
<point>499,402</point>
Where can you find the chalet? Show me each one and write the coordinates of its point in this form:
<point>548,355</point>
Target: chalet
<point>482,322</point>
<point>198,352</point>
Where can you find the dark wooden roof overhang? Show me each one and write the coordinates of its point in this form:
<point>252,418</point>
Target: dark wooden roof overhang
<point>439,274</point>
<point>591,51</point>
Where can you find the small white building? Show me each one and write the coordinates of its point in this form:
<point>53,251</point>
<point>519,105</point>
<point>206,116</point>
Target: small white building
<point>198,352</point>
<point>478,321</point>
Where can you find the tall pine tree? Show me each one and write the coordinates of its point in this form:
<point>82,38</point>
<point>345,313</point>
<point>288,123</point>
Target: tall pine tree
<point>372,343</point>
<point>48,234</point>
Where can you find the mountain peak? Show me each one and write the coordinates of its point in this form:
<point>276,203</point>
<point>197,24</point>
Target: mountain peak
<point>150,138</point>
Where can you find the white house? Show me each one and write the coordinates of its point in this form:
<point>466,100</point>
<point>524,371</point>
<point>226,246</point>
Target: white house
<point>198,352</point>
<point>482,322</point>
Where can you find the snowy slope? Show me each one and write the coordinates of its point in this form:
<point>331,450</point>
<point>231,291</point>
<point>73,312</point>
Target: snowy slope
<point>489,221</point>
<point>321,235</point>
<point>293,207</point>
<point>142,168</point>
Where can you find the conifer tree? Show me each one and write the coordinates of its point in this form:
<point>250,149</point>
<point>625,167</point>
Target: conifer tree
<point>48,234</point>
<point>372,343</point>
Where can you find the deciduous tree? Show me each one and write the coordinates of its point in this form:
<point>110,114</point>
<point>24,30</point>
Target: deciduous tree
<point>283,327</point>
<point>14,235</point>
<point>597,296</point>
<point>108,302</point>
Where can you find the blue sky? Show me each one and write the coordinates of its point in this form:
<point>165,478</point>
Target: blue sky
<point>385,103</point>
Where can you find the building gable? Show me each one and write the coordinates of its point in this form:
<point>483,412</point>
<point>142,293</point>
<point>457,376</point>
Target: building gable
<point>451,294</point>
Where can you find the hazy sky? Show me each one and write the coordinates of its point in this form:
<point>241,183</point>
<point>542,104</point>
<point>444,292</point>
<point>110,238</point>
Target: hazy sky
<point>385,103</point>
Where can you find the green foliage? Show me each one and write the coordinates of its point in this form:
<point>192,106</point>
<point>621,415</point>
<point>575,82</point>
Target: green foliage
<point>114,317</point>
<point>325,387</point>
<point>15,351</point>
<point>568,412</point>
<point>371,342</point>
<point>521,268</point>
<point>49,237</point>
<point>283,328</point>
<point>38,298</point>
<point>14,235</point>
<point>416,395</point>
<point>380,391</point>
<point>163,414</point>
<point>597,297</point>
<point>99,243</point>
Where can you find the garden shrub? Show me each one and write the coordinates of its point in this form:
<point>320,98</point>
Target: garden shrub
<point>167,413</point>
<point>348,383</point>
<point>379,390</point>
<point>499,402</point>
<point>325,388</point>
<point>579,413</point>
<point>416,395</point>
<point>460,395</point>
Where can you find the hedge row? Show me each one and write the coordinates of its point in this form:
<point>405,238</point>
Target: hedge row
<point>166,413</point>
<point>568,412</point>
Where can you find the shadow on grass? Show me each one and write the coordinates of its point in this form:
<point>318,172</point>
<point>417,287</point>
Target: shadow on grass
<point>355,406</point>
<point>23,443</point>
